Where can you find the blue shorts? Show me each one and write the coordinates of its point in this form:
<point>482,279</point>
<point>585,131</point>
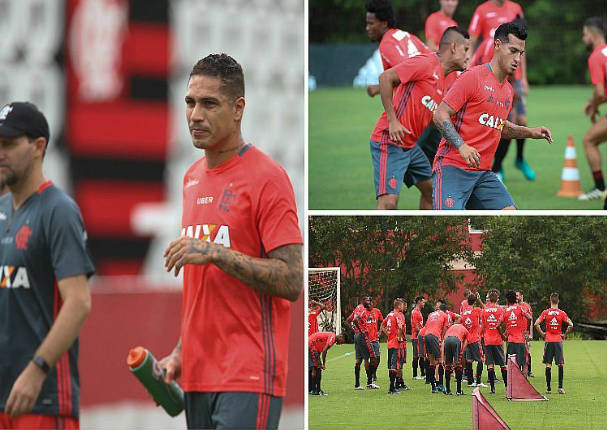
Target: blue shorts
<point>521,109</point>
<point>458,189</point>
<point>394,165</point>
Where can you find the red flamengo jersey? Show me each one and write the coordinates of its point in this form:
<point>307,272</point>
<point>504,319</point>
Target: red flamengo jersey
<point>312,321</point>
<point>392,324</point>
<point>452,317</point>
<point>515,326</point>
<point>361,324</point>
<point>596,64</point>
<point>415,99</point>
<point>482,104</point>
<point>450,80</point>
<point>436,24</point>
<point>422,332</point>
<point>435,323</point>
<point>397,46</point>
<point>459,331</point>
<point>526,309</point>
<point>373,317</point>
<point>554,319</point>
<point>416,317</point>
<point>488,16</point>
<point>318,341</point>
<point>493,315</point>
<point>246,204</point>
<point>471,319</point>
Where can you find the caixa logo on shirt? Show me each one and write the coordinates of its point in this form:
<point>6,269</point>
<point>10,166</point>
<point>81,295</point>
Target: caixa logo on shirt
<point>13,277</point>
<point>429,103</point>
<point>491,121</point>
<point>219,234</point>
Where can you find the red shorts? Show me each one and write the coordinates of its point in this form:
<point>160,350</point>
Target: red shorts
<point>38,421</point>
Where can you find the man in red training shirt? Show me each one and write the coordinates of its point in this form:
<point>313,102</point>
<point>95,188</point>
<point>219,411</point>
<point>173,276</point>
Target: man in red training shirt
<point>240,251</point>
<point>318,345</point>
<point>456,339</point>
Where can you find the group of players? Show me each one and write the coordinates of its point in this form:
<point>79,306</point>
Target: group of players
<point>446,343</point>
<point>447,131</point>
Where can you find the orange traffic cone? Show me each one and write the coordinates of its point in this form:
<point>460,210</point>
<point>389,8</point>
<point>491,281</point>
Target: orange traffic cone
<point>570,178</point>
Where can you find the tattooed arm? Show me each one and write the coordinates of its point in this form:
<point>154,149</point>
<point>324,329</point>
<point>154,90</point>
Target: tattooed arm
<point>442,121</point>
<point>281,274</point>
<point>513,131</point>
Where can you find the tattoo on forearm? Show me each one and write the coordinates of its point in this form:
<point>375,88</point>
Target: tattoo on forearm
<point>448,131</point>
<point>279,275</point>
<point>512,131</point>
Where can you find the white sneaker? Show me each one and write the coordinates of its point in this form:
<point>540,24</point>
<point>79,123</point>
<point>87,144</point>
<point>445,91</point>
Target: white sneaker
<point>481,385</point>
<point>373,386</point>
<point>360,387</point>
<point>561,391</point>
<point>472,385</point>
<point>419,378</point>
<point>593,194</point>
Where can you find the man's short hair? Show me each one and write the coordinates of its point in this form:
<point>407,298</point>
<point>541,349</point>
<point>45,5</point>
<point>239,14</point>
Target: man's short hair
<point>493,295</point>
<point>397,301</point>
<point>511,297</point>
<point>554,298</point>
<point>597,23</point>
<point>419,299</point>
<point>383,11</point>
<point>517,28</point>
<point>450,35</point>
<point>467,292</point>
<point>225,68</point>
<point>472,299</point>
<point>443,307</point>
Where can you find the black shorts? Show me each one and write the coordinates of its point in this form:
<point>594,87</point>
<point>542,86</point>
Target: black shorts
<point>495,355</point>
<point>453,350</point>
<point>313,358</point>
<point>474,352</point>
<point>432,346</point>
<point>553,350</point>
<point>421,347</point>
<point>415,348</point>
<point>397,357</point>
<point>232,410</point>
<point>519,350</point>
<point>363,348</point>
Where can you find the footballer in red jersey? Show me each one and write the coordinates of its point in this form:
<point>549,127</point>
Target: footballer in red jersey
<point>554,318</point>
<point>363,347</point>
<point>478,104</point>
<point>395,45</point>
<point>515,319</point>
<point>373,324</point>
<point>318,345</point>
<point>594,40</point>
<point>314,310</point>
<point>394,328</point>
<point>240,251</point>
<point>493,336</point>
<point>528,331</point>
<point>471,319</point>
<point>419,84</point>
<point>456,339</point>
<point>417,323</point>
<point>435,328</point>
<point>438,22</point>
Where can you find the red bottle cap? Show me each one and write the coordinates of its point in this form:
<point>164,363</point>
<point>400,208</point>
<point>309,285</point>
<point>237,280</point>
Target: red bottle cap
<point>136,356</point>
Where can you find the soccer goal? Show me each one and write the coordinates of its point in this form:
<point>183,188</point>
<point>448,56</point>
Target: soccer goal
<point>323,286</point>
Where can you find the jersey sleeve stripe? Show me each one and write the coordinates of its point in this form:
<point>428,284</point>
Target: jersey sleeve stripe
<point>404,100</point>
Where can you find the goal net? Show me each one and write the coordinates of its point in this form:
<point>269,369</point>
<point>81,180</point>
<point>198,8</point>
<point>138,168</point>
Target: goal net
<point>323,286</point>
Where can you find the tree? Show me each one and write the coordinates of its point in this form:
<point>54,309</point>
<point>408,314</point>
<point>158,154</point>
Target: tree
<point>540,255</point>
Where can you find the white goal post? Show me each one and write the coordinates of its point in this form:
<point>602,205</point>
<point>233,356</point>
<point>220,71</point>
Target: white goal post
<point>324,287</point>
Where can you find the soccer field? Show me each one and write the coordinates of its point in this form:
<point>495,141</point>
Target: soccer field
<point>341,174</point>
<point>582,407</point>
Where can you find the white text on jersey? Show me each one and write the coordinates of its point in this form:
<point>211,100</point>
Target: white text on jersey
<point>222,237</point>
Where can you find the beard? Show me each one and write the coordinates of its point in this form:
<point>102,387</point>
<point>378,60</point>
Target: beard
<point>7,179</point>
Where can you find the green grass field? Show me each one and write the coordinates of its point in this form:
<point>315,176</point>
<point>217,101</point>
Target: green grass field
<point>583,407</point>
<point>341,174</point>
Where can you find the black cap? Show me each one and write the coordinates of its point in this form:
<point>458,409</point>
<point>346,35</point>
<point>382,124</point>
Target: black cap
<point>23,119</point>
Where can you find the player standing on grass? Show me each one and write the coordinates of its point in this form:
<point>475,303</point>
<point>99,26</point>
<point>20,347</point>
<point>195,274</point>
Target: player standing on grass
<point>478,104</point>
<point>515,320</point>
<point>362,345</point>
<point>44,293</point>
<point>318,345</point>
<point>314,310</point>
<point>456,340</point>
<point>417,323</point>
<point>471,319</point>
<point>436,326</point>
<point>554,318</point>
<point>594,39</point>
<point>419,84</point>
<point>374,324</point>
<point>528,331</point>
<point>395,45</point>
<point>493,317</point>
<point>393,327</point>
<point>240,251</point>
